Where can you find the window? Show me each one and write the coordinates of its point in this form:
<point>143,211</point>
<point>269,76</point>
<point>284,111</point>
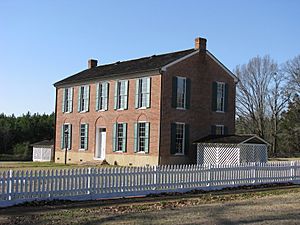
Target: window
<point>219,129</point>
<point>84,136</point>
<point>83,98</point>
<point>102,96</point>
<point>181,92</point>
<point>119,137</point>
<point>67,102</point>
<point>142,96</point>
<point>141,137</point>
<point>220,96</point>
<point>66,135</point>
<point>180,138</point>
<point>179,141</point>
<point>121,92</point>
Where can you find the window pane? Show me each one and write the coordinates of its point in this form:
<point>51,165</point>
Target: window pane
<point>219,130</point>
<point>181,86</point>
<point>220,96</point>
<point>82,136</point>
<point>179,138</point>
<point>119,137</point>
<point>122,94</point>
<point>141,136</point>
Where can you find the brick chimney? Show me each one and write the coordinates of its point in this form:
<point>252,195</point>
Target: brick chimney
<point>92,63</point>
<point>200,43</point>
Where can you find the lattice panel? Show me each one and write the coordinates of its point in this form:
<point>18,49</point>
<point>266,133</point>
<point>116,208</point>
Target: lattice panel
<point>37,154</point>
<point>228,154</point>
<point>253,153</point>
<point>217,154</point>
<point>42,154</point>
<point>224,154</point>
<point>206,154</point>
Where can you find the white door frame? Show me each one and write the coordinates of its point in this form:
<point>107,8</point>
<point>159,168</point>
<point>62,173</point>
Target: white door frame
<point>99,144</point>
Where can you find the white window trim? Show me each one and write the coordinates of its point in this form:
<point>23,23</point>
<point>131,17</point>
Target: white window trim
<point>99,96</point>
<point>183,139</point>
<point>141,152</point>
<point>141,78</point>
<point>119,151</point>
<point>118,94</point>
<point>184,103</point>
<point>83,111</point>
<point>222,126</point>
<point>222,83</point>
<point>81,149</point>
<point>65,102</point>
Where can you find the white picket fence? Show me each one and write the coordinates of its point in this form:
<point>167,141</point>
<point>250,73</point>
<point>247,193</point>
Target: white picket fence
<point>95,183</point>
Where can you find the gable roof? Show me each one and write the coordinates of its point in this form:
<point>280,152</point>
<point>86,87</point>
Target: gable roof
<point>145,64</point>
<point>232,139</point>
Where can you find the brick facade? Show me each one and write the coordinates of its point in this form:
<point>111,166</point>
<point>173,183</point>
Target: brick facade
<point>200,68</point>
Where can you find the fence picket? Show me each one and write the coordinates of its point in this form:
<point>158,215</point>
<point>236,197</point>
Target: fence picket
<point>93,183</point>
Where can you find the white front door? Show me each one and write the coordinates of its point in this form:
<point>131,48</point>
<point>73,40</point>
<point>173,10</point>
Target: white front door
<point>101,143</point>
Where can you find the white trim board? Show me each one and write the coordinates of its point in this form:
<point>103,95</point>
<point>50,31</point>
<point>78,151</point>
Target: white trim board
<point>221,65</point>
<point>164,68</point>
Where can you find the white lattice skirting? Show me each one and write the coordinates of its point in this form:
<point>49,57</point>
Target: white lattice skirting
<point>231,153</point>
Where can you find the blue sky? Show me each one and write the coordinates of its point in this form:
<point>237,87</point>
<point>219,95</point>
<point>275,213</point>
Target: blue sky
<point>42,42</point>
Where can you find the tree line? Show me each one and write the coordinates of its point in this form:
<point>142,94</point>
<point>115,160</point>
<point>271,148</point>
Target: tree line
<point>17,133</point>
<point>268,103</point>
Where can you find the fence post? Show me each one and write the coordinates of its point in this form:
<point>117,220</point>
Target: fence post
<point>253,165</point>
<point>10,185</point>
<point>89,181</point>
<point>208,175</point>
<point>292,165</point>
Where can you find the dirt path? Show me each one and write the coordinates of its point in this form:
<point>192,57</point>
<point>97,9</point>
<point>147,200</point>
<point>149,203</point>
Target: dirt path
<point>271,206</point>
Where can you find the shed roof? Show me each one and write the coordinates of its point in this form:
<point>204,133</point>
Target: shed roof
<point>232,139</point>
<point>44,143</point>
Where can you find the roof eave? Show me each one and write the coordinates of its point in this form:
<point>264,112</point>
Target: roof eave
<point>61,83</point>
<point>236,80</point>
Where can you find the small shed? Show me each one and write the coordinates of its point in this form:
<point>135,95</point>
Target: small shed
<point>231,149</point>
<point>43,151</point>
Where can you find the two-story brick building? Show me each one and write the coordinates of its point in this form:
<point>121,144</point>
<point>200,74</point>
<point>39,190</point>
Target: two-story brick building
<point>145,111</point>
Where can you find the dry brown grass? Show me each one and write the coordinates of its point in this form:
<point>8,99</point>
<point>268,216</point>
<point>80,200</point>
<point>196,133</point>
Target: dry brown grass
<point>279,206</point>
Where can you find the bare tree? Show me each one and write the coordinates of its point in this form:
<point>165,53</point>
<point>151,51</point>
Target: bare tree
<point>252,93</point>
<point>278,97</point>
<point>292,68</point>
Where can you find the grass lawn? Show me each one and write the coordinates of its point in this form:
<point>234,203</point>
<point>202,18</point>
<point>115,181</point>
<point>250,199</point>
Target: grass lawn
<point>40,165</point>
<point>271,206</point>
<point>284,159</point>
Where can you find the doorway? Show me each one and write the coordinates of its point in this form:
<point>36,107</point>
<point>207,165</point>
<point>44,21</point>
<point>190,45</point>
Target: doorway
<point>100,143</point>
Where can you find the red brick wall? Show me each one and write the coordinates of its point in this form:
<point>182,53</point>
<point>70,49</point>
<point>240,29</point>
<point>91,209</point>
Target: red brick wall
<point>108,118</point>
<point>202,71</point>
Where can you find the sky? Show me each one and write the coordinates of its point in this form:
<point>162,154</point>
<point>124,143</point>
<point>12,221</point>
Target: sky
<point>42,42</point>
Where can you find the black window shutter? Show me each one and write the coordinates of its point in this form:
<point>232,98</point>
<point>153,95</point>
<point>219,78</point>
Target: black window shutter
<point>187,139</point>
<point>173,138</point>
<point>226,98</point>
<point>174,92</point>
<point>188,93</point>
<point>225,130</point>
<point>214,96</point>
<point>213,130</point>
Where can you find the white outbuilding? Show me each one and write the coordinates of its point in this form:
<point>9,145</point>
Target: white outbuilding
<point>43,151</point>
<point>231,149</point>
